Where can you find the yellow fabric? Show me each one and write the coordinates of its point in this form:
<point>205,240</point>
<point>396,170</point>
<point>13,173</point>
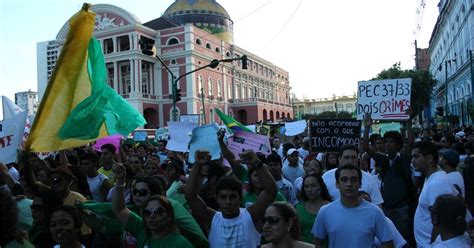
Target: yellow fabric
<point>68,86</point>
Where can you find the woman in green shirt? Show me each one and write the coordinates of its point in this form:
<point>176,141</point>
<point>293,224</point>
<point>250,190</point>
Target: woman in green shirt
<point>255,188</point>
<point>314,195</point>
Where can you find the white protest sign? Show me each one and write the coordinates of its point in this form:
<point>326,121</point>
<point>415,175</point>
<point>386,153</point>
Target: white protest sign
<point>295,128</point>
<point>180,135</point>
<point>242,141</point>
<point>161,134</point>
<point>204,137</point>
<point>384,99</point>
<point>189,118</point>
<point>11,135</point>
<point>140,136</point>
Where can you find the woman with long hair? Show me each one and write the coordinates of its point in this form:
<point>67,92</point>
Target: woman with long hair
<point>331,161</point>
<point>255,188</point>
<point>281,226</point>
<point>314,195</point>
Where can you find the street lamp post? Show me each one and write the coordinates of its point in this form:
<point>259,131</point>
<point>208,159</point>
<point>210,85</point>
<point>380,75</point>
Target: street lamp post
<point>148,49</point>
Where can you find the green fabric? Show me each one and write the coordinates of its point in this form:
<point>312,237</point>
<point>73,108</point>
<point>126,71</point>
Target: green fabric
<point>231,123</point>
<point>252,198</point>
<point>103,105</point>
<point>306,221</point>
<point>241,173</point>
<point>36,231</point>
<point>172,193</point>
<point>25,218</point>
<point>14,244</point>
<point>136,227</point>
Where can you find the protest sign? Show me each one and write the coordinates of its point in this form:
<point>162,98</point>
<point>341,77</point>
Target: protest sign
<point>113,139</point>
<point>204,137</point>
<point>11,135</point>
<point>382,128</point>
<point>140,136</point>
<point>245,140</point>
<point>180,135</point>
<point>295,128</point>
<point>161,134</point>
<point>331,134</point>
<point>384,99</point>
<point>194,118</point>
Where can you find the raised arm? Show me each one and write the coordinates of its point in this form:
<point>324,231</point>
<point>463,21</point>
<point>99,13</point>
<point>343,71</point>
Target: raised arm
<point>199,209</point>
<point>365,139</point>
<point>7,178</point>
<point>238,169</point>
<point>257,210</point>
<point>30,178</point>
<point>118,199</point>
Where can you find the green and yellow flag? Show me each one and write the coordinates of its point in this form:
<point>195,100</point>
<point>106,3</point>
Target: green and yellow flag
<point>231,123</point>
<point>78,106</point>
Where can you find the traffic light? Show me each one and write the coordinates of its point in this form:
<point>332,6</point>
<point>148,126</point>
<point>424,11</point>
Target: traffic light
<point>244,62</point>
<point>147,46</point>
<point>177,95</point>
<point>440,111</point>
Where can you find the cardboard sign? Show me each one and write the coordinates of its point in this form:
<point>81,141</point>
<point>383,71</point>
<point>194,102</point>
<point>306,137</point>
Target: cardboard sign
<point>331,134</point>
<point>384,99</point>
<point>242,141</point>
<point>180,135</point>
<point>140,136</point>
<point>295,128</point>
<point>204,137</point>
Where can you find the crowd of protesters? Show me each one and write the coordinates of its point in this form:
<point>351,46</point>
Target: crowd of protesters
<point>395,190</point>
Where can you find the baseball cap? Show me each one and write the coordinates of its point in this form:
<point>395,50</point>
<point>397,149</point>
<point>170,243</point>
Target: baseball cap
<point>451,155</point>
<point>291,151</point>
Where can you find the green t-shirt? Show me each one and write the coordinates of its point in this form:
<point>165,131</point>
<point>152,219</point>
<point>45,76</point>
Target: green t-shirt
<point>251,198</point>
<point>306,221</point>
<point>136,227</point>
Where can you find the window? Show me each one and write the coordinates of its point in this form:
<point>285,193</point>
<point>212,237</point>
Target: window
<point>219,88</point>
<point>123,43</point>
<point>173,41</point>
<point>198,41</point>
<point>209,86</point>
<point>227,54</point>
<point>208,45</point>
<point>218,50</point>
<point>199,84</point>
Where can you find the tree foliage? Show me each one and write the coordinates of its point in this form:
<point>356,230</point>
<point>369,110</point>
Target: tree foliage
<point>422,84</point>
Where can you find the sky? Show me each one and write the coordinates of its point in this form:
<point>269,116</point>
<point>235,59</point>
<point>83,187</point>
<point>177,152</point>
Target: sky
<point>326,46</point>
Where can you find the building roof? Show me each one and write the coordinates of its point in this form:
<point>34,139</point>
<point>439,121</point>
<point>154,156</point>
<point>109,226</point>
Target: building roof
<point>159,23</point>
<point>180,7</point>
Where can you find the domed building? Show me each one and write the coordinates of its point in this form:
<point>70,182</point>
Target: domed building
<point>189,35</point>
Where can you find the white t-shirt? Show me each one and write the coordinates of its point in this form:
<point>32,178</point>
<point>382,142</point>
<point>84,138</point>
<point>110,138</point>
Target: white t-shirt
<point>369,185</point>
<point>456,178</point>
<point>14,173</point>
<point>351,227</point>
<point>303,153</point>
<point>435,185</point>
<point>287,189</point>
<point>462,241</point>
<point>291,173</point>
<point>398,240</point>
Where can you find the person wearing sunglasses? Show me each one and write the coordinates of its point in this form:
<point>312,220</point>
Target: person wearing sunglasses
<point>281,227</point>
<point>232,226</point>
<point>144,189</point>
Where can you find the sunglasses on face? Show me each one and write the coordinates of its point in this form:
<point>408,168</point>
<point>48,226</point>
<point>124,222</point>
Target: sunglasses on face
<point>271,220</point>
<point>159,211</point>
<point>56,180</point>
<point>140,192</point>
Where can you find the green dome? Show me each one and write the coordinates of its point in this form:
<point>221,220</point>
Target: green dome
<point>205,14</point>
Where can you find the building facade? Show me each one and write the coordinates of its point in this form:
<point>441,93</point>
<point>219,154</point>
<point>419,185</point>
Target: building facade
<point>451,50</point>
<point>317,106</point>
<point>27,101</point>
<point>189,35</point>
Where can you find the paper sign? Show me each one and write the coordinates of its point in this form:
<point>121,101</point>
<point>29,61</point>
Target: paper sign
<point>140,136</point>
<point>384,99</point>
<point>189,118</point>
<point>11,135</point>
<point>331,134</point>
<point>382,128</point>
<point>295,128</point>
<point>113,139</point>
<point>204,137</point>
<point>180,135</point>
<point>251,127</point>
<point>242,141</point>
<point>161,134</point>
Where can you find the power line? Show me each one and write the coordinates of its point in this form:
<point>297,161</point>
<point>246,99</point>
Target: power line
<point>286,23</point>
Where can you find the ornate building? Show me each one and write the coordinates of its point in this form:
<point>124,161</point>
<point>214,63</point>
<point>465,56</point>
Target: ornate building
<point>451,50</point>
<point>317,106</point>
<point>189,35</point>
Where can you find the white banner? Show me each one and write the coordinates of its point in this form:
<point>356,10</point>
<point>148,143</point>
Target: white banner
<point>11,135</point>
<point>11,109</point>
<point>180,135</point>
<point>384,99</point>
<point>295,128</point>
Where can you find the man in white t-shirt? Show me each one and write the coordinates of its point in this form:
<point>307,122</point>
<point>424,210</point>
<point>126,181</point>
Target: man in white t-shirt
<point>348,155</point>
<point>448,161</point>
<point>351,221</point>
<point>425,159</point>
<point>293,166</point>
